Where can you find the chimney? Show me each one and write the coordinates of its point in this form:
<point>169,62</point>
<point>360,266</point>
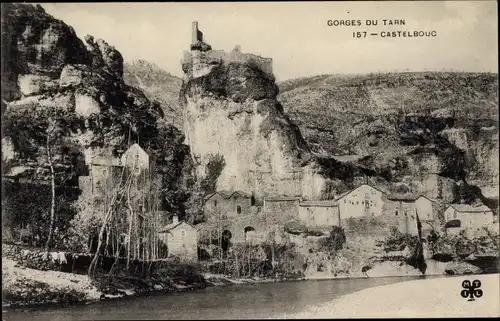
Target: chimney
<point>175,219</point>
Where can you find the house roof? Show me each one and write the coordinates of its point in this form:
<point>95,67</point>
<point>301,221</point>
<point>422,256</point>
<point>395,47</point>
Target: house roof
<point>171,226</point>
<point>136,146</point>
<point>349,192</point>
<point>430,199</point>
<point>321,203</point>
<point>402,197</point>
<point>407,197</point>
<point>469,208</point>
<point>227,195</point>
<point>282,198</point>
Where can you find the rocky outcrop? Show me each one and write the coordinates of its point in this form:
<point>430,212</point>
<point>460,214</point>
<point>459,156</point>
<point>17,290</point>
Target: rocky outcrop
<point>34,43</point>
<point>55,72</point>
<point>230,109</point>
<point>104,56</point>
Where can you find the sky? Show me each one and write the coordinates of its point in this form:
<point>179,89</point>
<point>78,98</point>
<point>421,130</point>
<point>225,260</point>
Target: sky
<point>296,35</point>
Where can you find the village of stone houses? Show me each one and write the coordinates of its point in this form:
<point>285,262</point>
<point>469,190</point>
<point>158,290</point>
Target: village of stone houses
<point>120,178</point>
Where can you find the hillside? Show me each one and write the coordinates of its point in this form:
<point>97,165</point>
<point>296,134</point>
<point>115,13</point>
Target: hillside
<point>158,85</point>
<point>391,114</point>
<point>361,99</point>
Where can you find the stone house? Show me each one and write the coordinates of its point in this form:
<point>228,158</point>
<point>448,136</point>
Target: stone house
<point>105,169</point>
<point>364,200</point>
<point>426,208</point>
<point>403,211</point>
<point>181,239</point>
<point>226,205</point>
<point>136,159</point>
<point>470,217</point>
<point>283,208</point>
<point>319,213</point>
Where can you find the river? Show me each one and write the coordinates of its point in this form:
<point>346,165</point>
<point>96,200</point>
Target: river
<point>264,300</point>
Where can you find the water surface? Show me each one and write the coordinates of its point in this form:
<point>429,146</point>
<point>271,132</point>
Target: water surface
<point>242,301</point>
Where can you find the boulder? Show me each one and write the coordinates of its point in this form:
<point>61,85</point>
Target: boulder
<point>457,267</point>
<point>86,105</point>
<point>34,84</point>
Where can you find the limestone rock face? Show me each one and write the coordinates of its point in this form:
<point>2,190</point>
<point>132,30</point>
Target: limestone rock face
<point>104,55</point>
<point>49,71</point>
<point>34,42</point>
<point>230,110</point>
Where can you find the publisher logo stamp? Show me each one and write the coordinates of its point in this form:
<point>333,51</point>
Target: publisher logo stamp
<point>471,291</point>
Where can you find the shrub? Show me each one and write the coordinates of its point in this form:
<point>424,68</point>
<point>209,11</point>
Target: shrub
<point>397,241</point>
<point>335,241</point>
<point>295,227</point>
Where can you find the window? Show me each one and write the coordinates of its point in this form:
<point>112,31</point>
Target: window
<point>238,209</point>
<point>104,172</point>
<point>183,233</point>
<point>215,202</point>
<point>344,201</point>
<point>396,213</point>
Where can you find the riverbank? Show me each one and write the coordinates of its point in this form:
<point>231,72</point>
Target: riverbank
<point>417,299</point>
<point>26,287</point>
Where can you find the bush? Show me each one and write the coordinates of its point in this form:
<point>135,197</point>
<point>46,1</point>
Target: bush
<point>397,241</point>
<point>295,227</point>
<point>177,270</point>
<point>335,241</point>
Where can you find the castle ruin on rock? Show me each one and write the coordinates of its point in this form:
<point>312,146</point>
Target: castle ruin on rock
<point>231,114</point>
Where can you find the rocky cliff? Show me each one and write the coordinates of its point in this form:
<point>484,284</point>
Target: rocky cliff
<point>231,115</point>
<point>64,96</point>
<point>444,125</point>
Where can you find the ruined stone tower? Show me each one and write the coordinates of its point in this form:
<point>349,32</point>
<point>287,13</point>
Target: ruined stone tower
<point>197,35</point>
<point>197,42</point>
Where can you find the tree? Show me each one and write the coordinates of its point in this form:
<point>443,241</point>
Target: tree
<point>42,134</point>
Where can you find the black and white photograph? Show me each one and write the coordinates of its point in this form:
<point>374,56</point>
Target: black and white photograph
<point>250,160</point>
